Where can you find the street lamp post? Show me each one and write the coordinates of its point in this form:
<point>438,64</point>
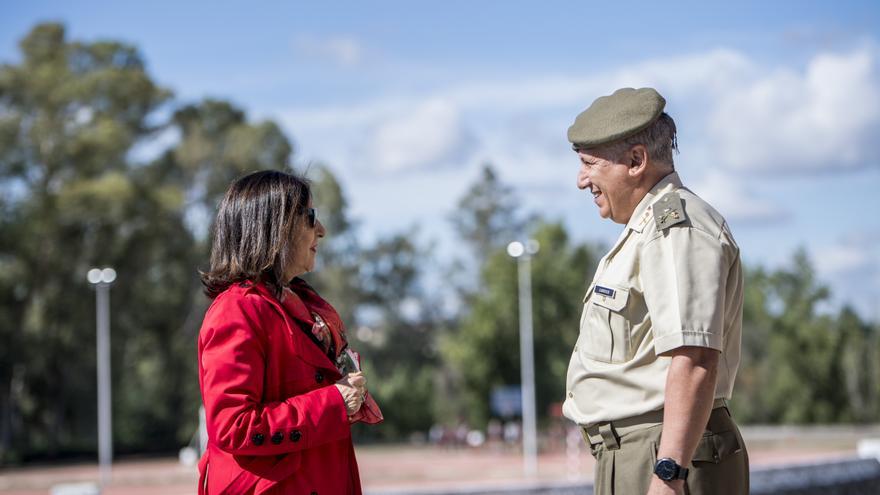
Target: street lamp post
<point>101,279</point>
<point>523,253</point>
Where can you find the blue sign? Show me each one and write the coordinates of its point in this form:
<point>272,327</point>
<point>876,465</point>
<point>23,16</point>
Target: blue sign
<point>506,401</point>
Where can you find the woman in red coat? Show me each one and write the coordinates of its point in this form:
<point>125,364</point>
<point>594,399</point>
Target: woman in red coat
<point>279,384</point>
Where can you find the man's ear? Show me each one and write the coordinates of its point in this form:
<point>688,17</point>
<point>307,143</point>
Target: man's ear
<point>638,156</point>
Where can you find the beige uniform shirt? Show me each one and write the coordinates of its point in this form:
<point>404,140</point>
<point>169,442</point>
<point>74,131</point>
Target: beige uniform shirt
<point>672,279</point>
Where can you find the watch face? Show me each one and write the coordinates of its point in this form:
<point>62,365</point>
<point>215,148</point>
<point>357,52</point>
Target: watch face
<point>665,469</point>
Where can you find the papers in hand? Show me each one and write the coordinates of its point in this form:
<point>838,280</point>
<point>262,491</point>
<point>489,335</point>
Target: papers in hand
<point>348,361</point>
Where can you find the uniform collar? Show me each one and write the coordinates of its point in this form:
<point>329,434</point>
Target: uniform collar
<point>643,212</point>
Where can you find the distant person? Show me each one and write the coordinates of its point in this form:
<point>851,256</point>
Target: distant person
<point>660,333</point>
<point>279,383</point>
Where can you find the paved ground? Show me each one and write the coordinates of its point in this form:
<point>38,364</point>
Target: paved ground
<point>411,466</point>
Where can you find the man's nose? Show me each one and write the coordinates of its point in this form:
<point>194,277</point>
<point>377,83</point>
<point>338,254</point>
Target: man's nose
<point>583,179</point>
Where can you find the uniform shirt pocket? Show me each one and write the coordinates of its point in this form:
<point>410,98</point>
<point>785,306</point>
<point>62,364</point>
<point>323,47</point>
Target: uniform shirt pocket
<point>604,325</point>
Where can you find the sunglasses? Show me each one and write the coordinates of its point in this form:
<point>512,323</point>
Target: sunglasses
<point>313,217</point>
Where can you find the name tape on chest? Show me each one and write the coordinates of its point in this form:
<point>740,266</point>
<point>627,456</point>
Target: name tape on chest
<point>604,291</point>
<point>668,211</point>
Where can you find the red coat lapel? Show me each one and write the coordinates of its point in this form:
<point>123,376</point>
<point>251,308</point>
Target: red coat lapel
<point>306,349</point>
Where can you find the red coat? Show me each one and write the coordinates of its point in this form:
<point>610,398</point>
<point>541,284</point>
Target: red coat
<point>276,425</point>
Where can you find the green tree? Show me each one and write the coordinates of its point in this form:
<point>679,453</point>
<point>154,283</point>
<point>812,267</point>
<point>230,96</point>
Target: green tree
<point>69,113</point>
<point>218,145</point>
<point>806,386</point>
<point>487,217</point>
<point>399,339</point>
<point>485,348</point>
<point>801,365</point>
<point>860,360</point>
<point>74,198</point>
<point>750,401</point>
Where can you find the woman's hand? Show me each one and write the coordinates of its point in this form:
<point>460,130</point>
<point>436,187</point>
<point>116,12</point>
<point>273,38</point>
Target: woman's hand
<point>353,388</point>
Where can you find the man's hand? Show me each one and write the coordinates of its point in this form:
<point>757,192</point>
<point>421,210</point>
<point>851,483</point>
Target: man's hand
<point>660,487</point>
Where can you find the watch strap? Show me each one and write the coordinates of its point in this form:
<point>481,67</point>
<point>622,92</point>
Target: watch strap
<point>668,470</point>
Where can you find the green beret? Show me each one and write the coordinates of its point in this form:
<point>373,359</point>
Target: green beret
<point>615,117</point>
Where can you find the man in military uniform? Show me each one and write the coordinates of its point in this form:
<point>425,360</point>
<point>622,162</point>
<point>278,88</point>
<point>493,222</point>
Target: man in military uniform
<point>660,332</point>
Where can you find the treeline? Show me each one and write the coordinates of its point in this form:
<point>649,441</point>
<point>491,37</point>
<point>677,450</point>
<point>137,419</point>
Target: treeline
<point>75,192</point>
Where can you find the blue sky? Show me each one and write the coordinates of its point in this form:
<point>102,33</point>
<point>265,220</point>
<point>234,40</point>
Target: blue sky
<point>777,103</point>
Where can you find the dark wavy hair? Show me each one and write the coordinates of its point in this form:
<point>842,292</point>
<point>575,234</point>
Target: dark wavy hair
<point>254,229</point>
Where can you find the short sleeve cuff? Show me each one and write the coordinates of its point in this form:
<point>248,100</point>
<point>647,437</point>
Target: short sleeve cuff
<point>666,343</point>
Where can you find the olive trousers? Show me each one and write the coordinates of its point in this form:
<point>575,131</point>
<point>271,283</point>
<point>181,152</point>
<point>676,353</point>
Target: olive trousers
<point>626,451</point>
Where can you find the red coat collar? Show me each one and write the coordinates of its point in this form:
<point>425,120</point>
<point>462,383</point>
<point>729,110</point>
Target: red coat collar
<point>308,350</point>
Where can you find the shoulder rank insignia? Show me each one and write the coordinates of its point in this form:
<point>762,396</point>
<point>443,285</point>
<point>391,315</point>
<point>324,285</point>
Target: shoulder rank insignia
<point>668,211</point>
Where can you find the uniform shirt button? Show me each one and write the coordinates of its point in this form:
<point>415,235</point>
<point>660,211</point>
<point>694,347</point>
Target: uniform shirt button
<point>295,435</point>
<point>319,377</point>
<point>258,439</point>
<point>570,395</point>
<point>277,437</point>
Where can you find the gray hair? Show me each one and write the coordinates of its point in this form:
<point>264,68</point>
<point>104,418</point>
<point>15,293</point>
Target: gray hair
<point>659,138</point>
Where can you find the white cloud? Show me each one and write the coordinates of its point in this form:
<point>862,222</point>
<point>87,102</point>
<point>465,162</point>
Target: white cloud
<point>738,115</point>
<point>852,266</point>
<point>345,51</point>
<point>731,198</point>
<point>820,120</point>
<point>838,259</point>
<point>429,133</point>
<point>857,254</point>
<point>742,114</point>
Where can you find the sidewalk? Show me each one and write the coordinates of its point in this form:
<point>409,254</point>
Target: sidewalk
<point>403,466</point>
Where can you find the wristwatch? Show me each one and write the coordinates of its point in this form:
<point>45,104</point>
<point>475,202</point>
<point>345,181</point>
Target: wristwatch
<point>667,470</point>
